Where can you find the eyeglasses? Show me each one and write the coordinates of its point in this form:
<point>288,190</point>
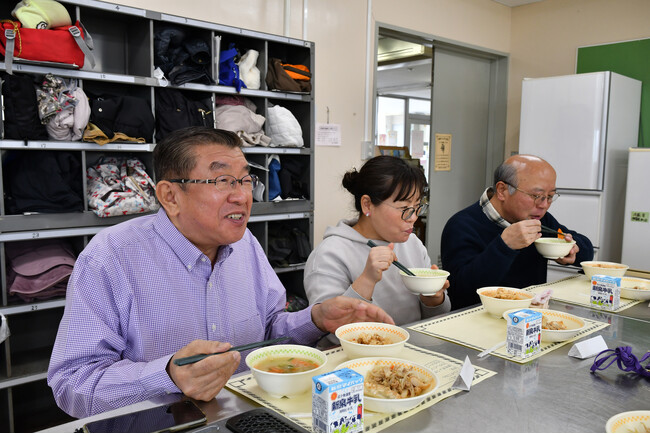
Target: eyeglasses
<point>408,212</point>
<point>539,198</point>
<point>224,182</point>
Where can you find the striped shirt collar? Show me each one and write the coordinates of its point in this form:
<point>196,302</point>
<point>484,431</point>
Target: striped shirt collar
<point>489,210</point>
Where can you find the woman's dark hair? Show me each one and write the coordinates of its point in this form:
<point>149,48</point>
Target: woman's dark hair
<point>381,177</point>
<point>174,156</point>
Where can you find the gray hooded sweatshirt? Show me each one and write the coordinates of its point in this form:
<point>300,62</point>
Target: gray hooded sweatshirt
<point>340,259</point>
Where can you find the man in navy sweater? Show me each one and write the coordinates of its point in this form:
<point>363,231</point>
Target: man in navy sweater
<point>491,242</point>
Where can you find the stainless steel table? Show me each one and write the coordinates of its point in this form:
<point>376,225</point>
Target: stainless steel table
<point>554,393</point>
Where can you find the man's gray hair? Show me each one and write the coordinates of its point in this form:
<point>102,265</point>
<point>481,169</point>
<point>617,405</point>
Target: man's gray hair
<point>506,173</point>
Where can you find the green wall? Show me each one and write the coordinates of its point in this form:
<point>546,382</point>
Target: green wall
<point>631,59</point>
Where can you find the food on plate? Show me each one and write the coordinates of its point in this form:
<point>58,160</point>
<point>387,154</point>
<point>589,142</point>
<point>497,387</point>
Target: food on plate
<point>507,294</point>
<point>372,339</point>
<point>286,365</point>
<point>552,325</point>
<point>615,266</point>
<point>393,382</point>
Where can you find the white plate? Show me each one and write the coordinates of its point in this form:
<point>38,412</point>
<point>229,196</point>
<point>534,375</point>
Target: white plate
<point>365,365</point>
<point>628,291</point>
<point>574,324</point>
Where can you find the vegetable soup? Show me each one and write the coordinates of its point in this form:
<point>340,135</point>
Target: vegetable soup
<point>286,365</point>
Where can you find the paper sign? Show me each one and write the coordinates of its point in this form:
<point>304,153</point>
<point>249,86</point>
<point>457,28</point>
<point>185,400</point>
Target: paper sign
<point>588,348</point>
<point>464,380</point>
<point>328,135</point>
<point>417,143</point>
<point>443,153</point>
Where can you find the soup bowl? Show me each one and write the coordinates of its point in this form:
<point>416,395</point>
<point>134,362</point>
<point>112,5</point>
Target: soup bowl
<point>496,306</point>
<point>389,339</point>
<point>279,384</point>
<point>553,248</point>
<point>392,405</point>
<point>426,281</point>
<point>603,267</point>
<point>629,421</point>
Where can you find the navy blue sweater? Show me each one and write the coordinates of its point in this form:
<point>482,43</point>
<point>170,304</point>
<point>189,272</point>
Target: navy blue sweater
<point>474,253</point>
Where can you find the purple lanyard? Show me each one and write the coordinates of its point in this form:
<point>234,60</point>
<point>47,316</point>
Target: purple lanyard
<point>624,358</point>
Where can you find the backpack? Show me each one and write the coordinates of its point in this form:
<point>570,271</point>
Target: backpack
<point>228,68</point>
<point>287,245</point>
<point>176,109</point>
<point>21,120</point>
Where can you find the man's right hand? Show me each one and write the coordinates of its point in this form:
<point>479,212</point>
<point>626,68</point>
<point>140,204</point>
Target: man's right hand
<point>521,234</point>
<point>204,379</point>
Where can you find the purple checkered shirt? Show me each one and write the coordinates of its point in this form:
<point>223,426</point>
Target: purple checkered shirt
<point>139,292</point>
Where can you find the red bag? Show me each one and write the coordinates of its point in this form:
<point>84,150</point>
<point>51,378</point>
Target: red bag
<point>67,44</point>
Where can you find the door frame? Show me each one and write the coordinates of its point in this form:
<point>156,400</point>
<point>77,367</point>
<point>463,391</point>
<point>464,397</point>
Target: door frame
<point>498,80</point>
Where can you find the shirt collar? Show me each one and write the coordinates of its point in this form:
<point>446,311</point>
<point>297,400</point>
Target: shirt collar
<point>187,252</point>
<point>489,210</point>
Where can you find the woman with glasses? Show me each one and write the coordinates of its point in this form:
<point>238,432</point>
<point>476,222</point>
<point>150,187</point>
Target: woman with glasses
<point>490,243</point>
<point>389,197</point>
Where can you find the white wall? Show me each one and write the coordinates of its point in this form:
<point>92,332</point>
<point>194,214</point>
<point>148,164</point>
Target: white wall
<point>546,36</point>
<point>338,28</point>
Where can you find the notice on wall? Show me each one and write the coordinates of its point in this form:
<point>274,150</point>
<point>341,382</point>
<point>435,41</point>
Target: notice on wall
<point>417,143</point>
<point>442,155</point>
<point>328,135</point>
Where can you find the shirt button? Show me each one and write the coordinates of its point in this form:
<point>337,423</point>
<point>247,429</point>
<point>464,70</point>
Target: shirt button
<point>210,285</point>
<point>189,267</point>
<point>214,327</point>
<point>202,259</point>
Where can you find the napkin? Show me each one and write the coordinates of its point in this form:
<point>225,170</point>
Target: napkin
<point>465,376</point>
<point>588,347</point>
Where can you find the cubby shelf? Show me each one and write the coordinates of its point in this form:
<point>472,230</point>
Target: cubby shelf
<point>123,49</point>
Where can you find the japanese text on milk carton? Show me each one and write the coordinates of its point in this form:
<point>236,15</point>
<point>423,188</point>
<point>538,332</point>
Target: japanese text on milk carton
<point>337,402</point>
<point>524,335</point>
<point>605,292</point>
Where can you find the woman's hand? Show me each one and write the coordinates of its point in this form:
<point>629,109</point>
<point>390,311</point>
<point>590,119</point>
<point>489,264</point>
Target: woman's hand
<point>379,260</point>
<point>437,298</point>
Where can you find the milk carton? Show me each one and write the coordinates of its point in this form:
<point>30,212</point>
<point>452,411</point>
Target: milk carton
<point>337,402</point>
<point>524,335</point>
<point>605,292</point>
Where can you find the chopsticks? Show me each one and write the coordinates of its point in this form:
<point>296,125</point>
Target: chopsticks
<point>396,263</point>
<point>548,230</point>
<point>193,359</point>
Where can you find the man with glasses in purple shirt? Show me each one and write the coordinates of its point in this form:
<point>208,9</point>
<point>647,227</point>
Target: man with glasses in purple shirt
<point>188,280</point>
<point>491,242</point>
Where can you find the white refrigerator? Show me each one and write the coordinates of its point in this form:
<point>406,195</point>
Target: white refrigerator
<point>636,227</point>
<point>583,124</point>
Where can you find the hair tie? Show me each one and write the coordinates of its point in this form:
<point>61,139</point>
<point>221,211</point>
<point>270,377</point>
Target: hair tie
<point>625,360</point>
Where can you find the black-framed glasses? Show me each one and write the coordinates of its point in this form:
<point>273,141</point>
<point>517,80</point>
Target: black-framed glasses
<point>224,182</point>
<point>408,212</point>
<point>538,198</point>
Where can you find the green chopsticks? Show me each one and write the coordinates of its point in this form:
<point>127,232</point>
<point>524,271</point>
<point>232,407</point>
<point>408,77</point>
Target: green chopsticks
<point>396,263</point>
<point>196,358</point>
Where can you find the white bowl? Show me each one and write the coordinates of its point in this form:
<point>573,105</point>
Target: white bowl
<point>348,333</point>
<point>635,288</point>
<point>365,365</point>
<point>573,324</point>
<point>290,384</point>
<point>603,267</point>
<point>496,306</point>
<point>630,421</point>
<point>553,248</point>
<point>426,281</point>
